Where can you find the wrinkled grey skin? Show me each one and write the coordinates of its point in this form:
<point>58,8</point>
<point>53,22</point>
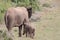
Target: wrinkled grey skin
<point>15,17</point>
<point>29,30</point>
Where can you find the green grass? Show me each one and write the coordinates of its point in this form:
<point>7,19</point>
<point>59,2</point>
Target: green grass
<point>1,17</point>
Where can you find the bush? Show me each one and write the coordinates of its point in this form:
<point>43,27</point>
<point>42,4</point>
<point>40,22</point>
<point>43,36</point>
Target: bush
<point>27,3</point>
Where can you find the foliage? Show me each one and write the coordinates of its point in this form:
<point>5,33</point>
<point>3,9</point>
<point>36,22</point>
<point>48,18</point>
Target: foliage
<point>27,3</point>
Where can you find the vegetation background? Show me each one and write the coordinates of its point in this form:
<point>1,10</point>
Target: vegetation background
<point>46,18</point>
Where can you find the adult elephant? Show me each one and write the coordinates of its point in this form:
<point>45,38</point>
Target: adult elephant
<point>15,17</point>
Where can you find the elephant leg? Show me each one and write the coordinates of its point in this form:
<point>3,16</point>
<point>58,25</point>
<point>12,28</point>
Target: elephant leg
<point>24,30</point>
<point>31,36</point>
<point>9,33</point>
<point>26,33</point>
<point>9,26</point>
<point>20,29</point>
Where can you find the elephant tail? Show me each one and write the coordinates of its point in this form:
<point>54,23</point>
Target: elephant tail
<point>5,18</point>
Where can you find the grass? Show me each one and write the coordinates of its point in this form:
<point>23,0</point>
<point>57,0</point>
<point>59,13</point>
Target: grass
<point>3,36</point>
<point>1,17</point>
<point>46,5</point>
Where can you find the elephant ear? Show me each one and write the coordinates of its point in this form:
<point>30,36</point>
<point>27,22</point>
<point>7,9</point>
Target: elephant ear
<point>29,12</point>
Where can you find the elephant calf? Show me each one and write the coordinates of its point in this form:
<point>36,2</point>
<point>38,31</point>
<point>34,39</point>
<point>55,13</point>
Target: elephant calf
<point>29,30</point>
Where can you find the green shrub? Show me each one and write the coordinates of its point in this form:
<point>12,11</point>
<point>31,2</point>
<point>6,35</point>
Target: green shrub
<point>27,3</point>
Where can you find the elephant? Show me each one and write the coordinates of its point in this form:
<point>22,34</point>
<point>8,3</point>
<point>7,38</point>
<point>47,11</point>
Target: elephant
<point>29,30</point>
<point>15,17</point>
